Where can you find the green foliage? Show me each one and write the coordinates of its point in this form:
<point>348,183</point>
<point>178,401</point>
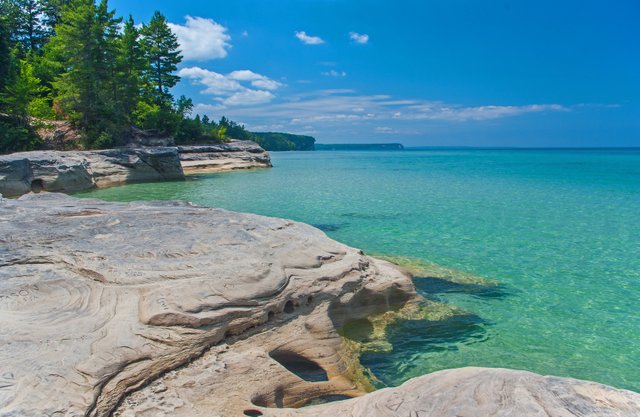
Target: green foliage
<point>151,116</point>
<point>15,137</point>
<point>21,92</point>
<point>275,141</point>
<point>86,44</point>
<point>160,48</point>
<point>235,130</point>
<point>73,59</point>
<point>31,30</point>
<point>130,65</point>
<point>5,53</point>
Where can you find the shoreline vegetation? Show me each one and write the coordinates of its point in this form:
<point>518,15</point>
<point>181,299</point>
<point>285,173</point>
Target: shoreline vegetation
<point>75,76</point>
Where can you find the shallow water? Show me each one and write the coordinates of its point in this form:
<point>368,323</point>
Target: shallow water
<point>558,230</point>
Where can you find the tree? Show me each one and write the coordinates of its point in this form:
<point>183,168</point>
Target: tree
<point>160,47</point>
<point>130,66</point>
<point>31,30</point>
<point>83,44</point>
<point>52,13</point>
<point>21,92</point>
<point>5,54</point>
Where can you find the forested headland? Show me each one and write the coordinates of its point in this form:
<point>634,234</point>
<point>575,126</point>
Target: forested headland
<point>109,76</point>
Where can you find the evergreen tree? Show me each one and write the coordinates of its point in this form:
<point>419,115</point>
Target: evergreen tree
<point>130,66</point>
<point>160,47</point>
<point>52,13</point>
<point>31,30</point>
<point>5,53</point>
<point>85,44</point>
<point>21,91</point>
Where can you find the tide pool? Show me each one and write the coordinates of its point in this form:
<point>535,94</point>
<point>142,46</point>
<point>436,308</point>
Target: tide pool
<point>558,230</point>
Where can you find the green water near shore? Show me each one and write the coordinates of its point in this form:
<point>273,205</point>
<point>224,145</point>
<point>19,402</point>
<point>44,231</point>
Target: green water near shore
<point>558,231</point>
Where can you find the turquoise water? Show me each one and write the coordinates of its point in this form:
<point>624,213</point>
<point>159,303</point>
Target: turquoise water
<point>559,230</point>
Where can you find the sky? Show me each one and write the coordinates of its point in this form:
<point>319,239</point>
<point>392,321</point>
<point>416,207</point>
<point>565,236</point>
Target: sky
<point>559,73</point>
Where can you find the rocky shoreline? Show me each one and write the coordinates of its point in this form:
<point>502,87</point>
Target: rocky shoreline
<point>169,309</point>
<point>73,171</point>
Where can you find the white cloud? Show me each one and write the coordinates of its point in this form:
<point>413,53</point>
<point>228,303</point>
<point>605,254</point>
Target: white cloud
<point>201,39</point>
<point>456,113</point>
<point>257,80</point>
<point>334,73</point>
<point>345,112</point>
<point>309,40</point>
<point>360,38</point>
<point>248,98</point>
<point>238,88</point>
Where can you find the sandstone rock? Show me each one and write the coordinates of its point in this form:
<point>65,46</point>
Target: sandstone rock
<point>479,392</point>
<point>98,299</point>
<point>72,171</point>
<point>236,154</point>
<point>166,309</point>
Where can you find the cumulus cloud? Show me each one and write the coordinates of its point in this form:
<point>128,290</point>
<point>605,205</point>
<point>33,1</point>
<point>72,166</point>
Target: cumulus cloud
<point>257,80</point>
<point>309,40</point>
<point>201,39</point>
<point>360,38</point>
<point>334,73</point>
<point>248,97</point>
<point>237,88</point>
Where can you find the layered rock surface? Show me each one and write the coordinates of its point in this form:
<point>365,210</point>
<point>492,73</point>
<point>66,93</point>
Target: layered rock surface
<point>166,309</point>
<point>97,299</point>
<point>223,157</point>
<point>71,171</point>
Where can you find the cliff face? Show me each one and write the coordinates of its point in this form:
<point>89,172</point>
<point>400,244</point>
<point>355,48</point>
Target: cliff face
<point>166,309</point>
<point>71,171</point>
<point>223,157</point>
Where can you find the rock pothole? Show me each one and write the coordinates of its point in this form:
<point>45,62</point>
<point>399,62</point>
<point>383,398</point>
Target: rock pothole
<point>302,367</point>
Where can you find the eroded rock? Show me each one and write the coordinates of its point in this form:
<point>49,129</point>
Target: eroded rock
<point>98,299</point>
<point>223,157</point>
<point>72,171</point>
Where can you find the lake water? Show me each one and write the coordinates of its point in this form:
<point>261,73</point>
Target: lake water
<point>558,230</point>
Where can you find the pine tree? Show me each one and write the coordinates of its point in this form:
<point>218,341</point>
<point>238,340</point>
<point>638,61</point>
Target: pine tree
<point>31,30</point>
<point>5,53</point>
<point>21,91</point>
<point>52,13</point>
<point>130,66</point>
<point>160,47</point>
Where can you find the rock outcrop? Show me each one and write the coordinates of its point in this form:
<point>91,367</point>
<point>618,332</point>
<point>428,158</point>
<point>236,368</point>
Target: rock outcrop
<point>167,309</point>
<point>72,171</point>
<point>98,299</point>
<point>223,157</point>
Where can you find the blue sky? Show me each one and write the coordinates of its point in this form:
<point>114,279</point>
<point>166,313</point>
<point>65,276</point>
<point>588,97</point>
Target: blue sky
<point>433,73</point>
